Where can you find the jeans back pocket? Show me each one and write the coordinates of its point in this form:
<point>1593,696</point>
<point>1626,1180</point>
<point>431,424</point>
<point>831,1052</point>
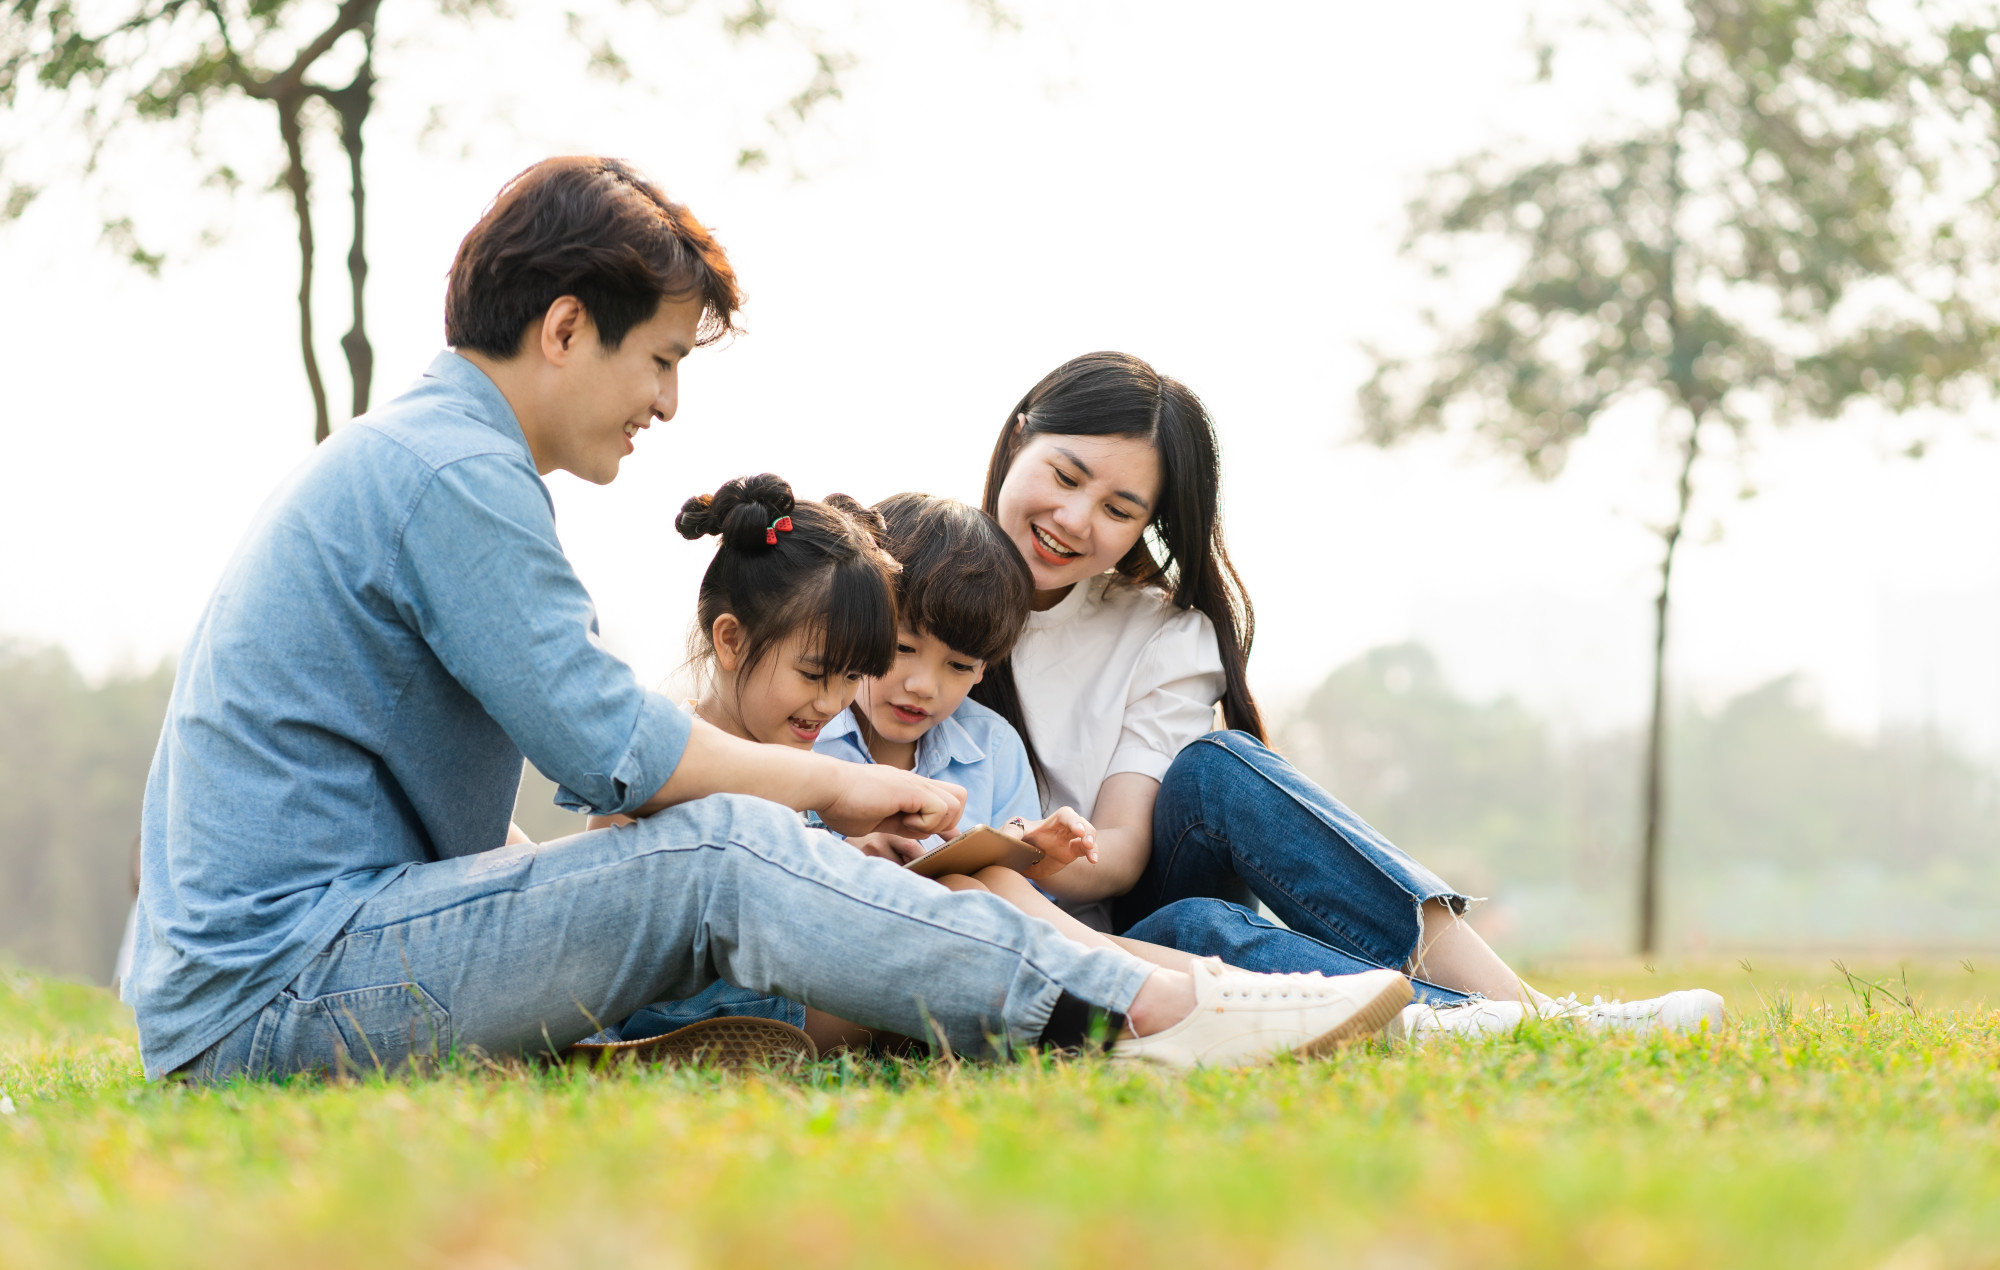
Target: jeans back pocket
<point>393,1028</point>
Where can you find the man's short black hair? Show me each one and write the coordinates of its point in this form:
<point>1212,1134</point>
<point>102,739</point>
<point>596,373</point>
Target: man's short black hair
<point>589,227</point>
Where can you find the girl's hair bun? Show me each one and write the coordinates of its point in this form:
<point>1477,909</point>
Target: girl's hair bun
<point>740,511</point>
<point>867,517</point>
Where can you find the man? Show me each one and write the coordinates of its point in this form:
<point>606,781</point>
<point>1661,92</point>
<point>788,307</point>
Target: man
<point>325,882</point>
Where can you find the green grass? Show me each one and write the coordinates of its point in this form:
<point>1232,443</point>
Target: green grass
<point>1812,1132</point>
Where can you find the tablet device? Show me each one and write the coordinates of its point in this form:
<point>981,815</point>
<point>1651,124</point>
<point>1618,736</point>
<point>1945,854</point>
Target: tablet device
<point>974,850</point>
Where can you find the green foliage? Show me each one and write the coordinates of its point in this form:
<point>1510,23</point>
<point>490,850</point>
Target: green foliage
<point>1452,781</point>
<point>1765,779</point>
<point>1810,1132</point>
<point>73,762</point>
<point>1774,224</point>
<point>19,195</point>
<point>1490,796</point>
<point>123,238</point>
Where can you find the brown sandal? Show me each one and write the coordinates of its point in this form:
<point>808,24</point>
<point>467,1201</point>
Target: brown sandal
<point>727,1042</point>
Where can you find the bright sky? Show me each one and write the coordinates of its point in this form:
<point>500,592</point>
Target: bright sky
<point>1218,195</point>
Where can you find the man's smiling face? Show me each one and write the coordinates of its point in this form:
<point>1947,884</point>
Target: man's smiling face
<point>602,399</point>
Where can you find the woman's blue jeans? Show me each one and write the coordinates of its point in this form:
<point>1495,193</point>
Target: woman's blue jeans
<point>1235,823</point>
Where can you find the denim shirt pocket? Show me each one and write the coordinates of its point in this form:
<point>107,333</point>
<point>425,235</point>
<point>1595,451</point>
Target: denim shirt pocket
<point>392,1028</point>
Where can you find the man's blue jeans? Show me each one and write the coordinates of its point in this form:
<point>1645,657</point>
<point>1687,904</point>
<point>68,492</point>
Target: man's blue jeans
<point>529,949</point>
<point>1233,824</point>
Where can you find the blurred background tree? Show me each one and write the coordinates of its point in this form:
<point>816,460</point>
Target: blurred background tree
<point>1792,209</point>
<point>73,760</point>
<point>1785,832</point>
<point>172,62</point>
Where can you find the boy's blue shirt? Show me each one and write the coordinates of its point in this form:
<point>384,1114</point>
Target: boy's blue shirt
<point>397,628</point>
<point>973,747</point>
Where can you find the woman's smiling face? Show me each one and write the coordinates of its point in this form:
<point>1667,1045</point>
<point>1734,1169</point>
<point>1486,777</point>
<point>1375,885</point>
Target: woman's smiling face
<point>1074,506</point>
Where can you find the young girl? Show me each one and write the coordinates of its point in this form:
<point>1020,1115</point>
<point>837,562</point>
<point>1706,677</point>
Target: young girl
<point>794,610</point>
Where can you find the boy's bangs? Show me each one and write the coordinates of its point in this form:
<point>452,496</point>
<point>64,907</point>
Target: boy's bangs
<point>962,583</point>
<point>858,630</point>
<point>970,615</point>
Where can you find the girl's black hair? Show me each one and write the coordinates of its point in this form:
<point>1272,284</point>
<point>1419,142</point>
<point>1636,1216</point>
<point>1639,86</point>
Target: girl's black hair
<point>965,584</point>
<point>826,575</point>
<point>1181,553</point>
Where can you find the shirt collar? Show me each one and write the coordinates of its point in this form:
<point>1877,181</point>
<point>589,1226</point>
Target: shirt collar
<point>948,742</point>
<point>951,737</point>
<point>843,725</point>
<point>1070,607</point>
<point>449,367</point>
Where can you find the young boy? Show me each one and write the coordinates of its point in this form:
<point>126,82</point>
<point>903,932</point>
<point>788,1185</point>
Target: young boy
<point>962,600</point>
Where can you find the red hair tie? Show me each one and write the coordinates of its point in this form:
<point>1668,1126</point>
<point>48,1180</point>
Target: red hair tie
<point>782,525</point>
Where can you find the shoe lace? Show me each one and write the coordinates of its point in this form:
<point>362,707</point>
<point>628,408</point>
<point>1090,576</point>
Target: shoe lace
<point>1265,985</point>
<point>1627,1009</point>
<point>1568,1007</point>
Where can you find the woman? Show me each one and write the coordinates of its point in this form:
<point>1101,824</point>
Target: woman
<point>1106,477</point>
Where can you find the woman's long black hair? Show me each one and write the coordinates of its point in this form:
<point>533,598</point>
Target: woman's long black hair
<point>1181,553</point>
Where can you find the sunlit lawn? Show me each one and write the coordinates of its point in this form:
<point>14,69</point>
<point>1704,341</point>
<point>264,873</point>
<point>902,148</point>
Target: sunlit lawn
<point>1812,1132</point>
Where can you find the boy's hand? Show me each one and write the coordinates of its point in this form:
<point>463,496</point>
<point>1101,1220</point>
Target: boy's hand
<point>877,799</point>
<point>888,846</point>
<point>1064,839</point>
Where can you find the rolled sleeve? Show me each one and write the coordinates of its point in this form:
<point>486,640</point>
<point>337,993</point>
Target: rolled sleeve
<point>1175,685</point>
<point>652,754</point>
<point>482,578</point>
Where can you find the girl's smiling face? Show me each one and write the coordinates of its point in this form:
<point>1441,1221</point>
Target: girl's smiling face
<point>1074,505</point>
<point>785,699</point>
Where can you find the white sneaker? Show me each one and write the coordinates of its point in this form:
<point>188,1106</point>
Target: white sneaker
<point>1421,1020</point>
<point>1241,1019</point>
<point>1684,1011</point>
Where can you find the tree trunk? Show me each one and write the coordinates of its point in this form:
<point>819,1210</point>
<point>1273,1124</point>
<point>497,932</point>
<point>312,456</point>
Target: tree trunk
<point>1656,730</point>
<point>298,183</point>
<point>353,104</point>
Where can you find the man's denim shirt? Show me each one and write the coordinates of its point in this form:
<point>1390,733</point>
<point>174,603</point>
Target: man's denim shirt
<point>397,628</point>
<point>974,747</point>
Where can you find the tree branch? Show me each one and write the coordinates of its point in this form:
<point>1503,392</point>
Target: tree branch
<point>352,15</point>
<point>352,105</point>
<point>299,183</point>
<point>1656,727</point>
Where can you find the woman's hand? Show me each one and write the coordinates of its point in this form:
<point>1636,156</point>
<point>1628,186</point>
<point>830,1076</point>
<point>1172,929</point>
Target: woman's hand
<point>887,846</point>
<point>1064,838</point>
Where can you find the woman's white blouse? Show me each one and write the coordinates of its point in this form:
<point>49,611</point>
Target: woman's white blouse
<point>1114,679</point>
